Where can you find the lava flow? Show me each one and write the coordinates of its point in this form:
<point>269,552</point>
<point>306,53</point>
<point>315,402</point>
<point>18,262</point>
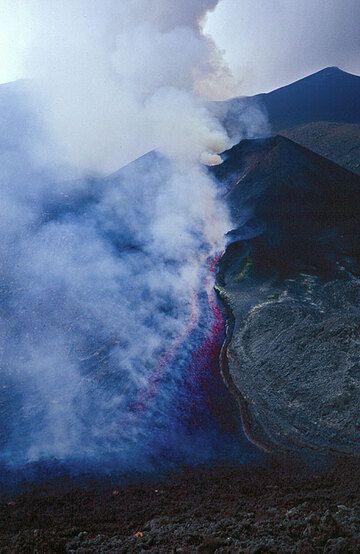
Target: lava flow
<point>209,396</point>
<point>205,399</point>
<point>166,359</point>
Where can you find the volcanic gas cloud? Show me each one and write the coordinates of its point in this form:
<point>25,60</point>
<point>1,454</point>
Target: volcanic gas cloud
<point>110,330</point>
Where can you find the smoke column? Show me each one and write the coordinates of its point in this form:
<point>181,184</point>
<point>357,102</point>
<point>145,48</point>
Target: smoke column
<point>106,292</point>
<point>116,78</point>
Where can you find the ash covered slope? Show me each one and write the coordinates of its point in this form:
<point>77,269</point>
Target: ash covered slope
<point>339,142</point>
<point>291,282</point>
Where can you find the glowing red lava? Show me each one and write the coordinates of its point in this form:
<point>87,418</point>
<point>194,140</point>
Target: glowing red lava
<point>204,362</point>
<point>164,361</point>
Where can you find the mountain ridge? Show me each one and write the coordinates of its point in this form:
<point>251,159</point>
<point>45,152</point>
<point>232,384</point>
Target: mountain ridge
<point>290,282</point>
<point>327,95</point>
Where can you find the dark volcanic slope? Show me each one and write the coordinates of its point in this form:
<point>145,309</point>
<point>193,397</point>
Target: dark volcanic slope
<point>297,198</point>
<point>241,510</point>
<point>328,95</point>
<point>291,281</point>
<point>339,142</point>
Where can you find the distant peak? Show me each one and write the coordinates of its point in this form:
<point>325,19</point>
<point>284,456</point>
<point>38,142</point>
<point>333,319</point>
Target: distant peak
<point>327,76</point>
<point>332,71</point>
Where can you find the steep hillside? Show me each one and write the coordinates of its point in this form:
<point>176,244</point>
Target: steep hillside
<point>290,281</point>
<point>339,142</point>
<point>328,95</point>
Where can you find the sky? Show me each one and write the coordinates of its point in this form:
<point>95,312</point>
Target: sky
<point>270,43</point>
<point>267,43</point>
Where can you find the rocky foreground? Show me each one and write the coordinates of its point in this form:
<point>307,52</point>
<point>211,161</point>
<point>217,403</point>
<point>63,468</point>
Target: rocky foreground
<point>244,510</point>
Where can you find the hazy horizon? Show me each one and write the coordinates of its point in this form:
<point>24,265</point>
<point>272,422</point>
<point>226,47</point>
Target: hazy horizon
<point>265,44</point>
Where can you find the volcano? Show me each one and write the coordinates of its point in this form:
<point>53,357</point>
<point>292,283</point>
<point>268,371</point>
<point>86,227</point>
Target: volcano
<point>290,280</point>
<point>327,95</point>
<point>320,111</point>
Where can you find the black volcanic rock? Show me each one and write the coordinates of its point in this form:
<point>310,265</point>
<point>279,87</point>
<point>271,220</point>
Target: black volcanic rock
<point>290,279</point>
<point>302,208</point>
<point>271,508</point>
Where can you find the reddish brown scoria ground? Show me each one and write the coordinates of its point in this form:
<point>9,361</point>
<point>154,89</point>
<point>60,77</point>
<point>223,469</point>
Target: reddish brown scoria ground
<point>223,510</point>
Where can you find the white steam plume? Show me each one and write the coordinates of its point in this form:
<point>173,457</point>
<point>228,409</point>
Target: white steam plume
<point>102,283</point>
<point>119,78</point>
